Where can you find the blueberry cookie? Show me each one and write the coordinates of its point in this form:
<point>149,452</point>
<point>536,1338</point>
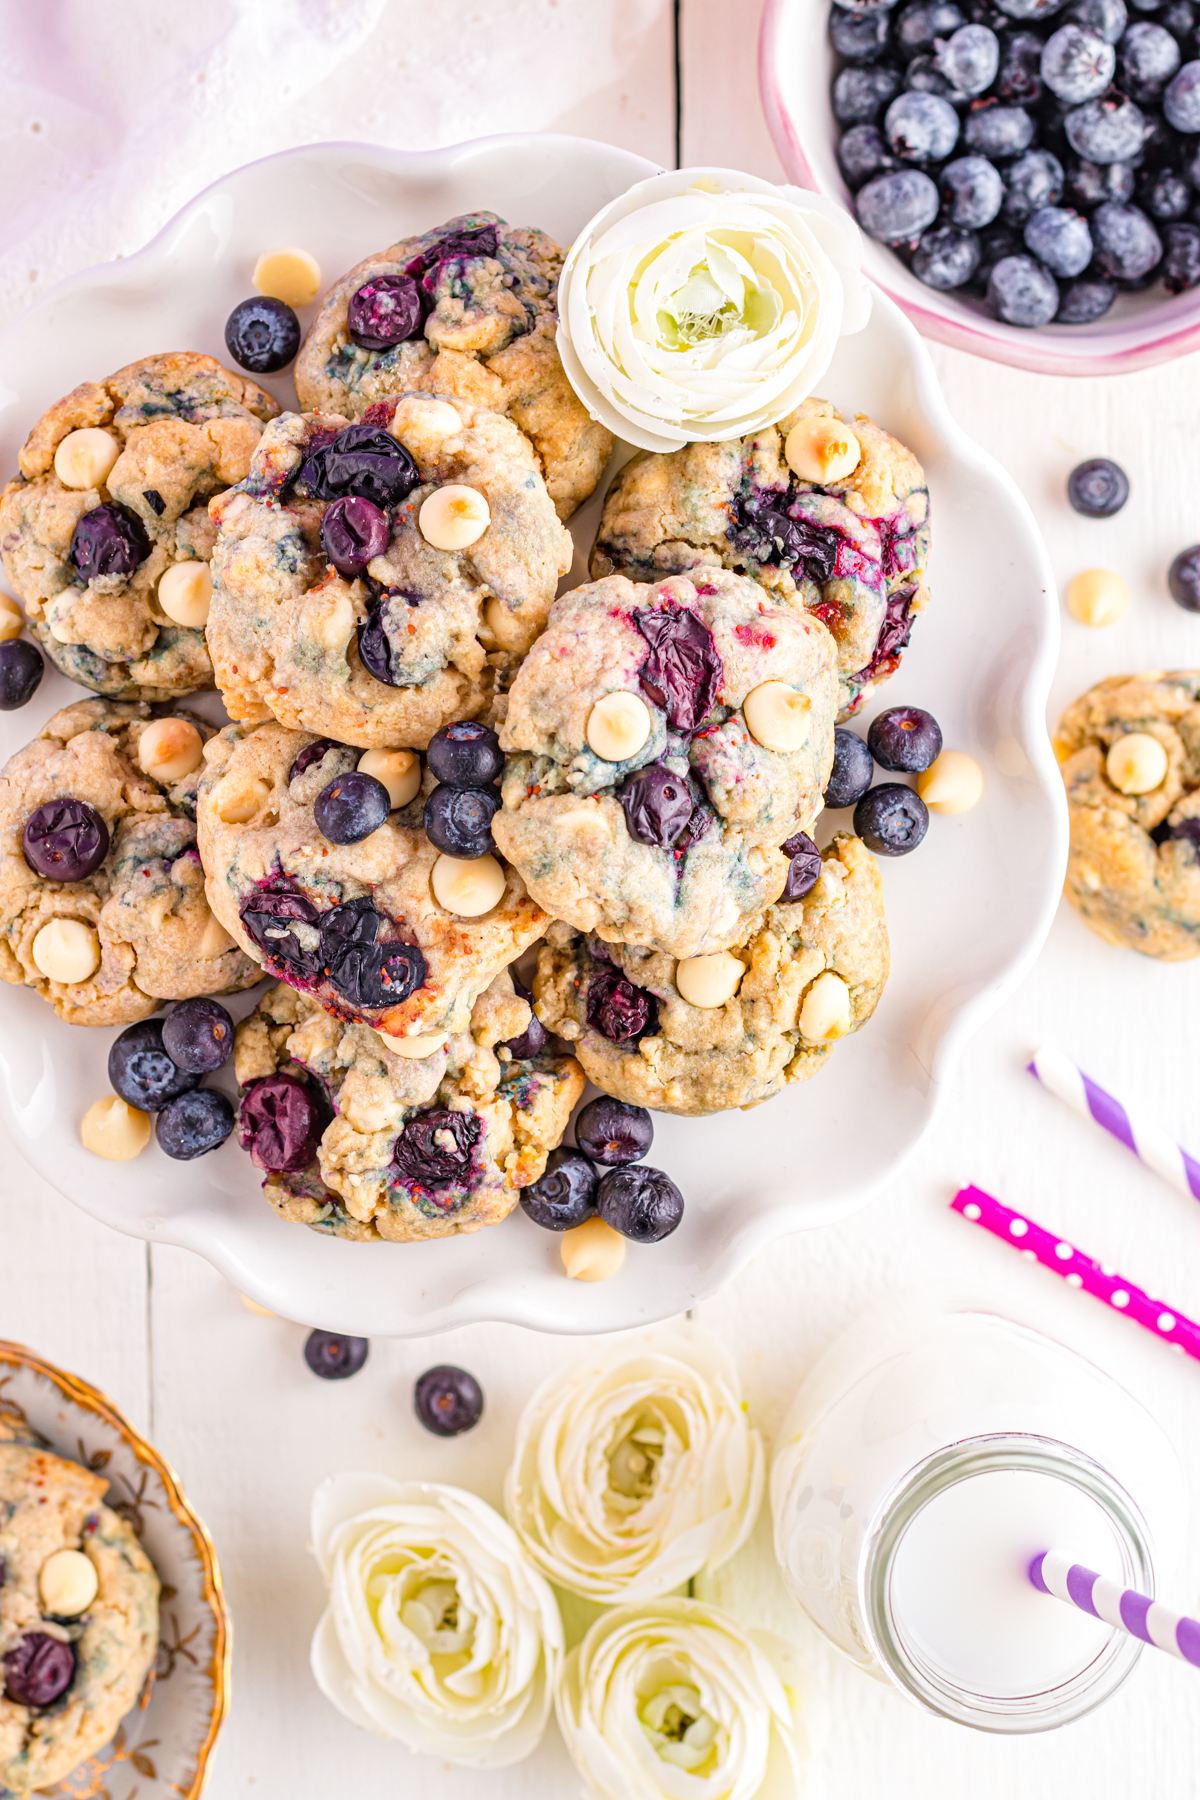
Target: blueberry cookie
<point>467,310</point>
<point>805,974</point>
<point>355,919</point>
<point>370,580</point>
<point>360,1142</point>
<point>78,1617</point>
<point>102,904</point>
<point>664,742</point>
<point>1130,755</point>
<point>851,548</point>
<point>105,533</point>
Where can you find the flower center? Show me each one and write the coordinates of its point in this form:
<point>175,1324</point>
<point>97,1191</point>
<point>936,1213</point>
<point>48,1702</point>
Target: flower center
<point>698,311</point>
<point>677,1725</point>
<point>436,1615</point>
<point>634,1458</point>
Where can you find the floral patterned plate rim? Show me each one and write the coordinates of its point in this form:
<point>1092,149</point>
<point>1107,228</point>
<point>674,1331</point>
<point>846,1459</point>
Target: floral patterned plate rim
<point>161,1751</point>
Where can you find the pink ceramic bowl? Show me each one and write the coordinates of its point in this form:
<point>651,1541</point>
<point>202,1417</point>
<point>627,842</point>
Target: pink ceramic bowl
<point>795,70</point>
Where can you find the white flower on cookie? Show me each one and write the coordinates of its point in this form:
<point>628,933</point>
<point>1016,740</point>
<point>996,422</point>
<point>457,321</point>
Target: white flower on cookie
<point>635,1469</point>
<point>439,1630</point>
<point>705,304</point>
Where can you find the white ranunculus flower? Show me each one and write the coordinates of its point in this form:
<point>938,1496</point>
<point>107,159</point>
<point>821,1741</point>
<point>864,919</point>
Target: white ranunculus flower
<point>439,1630</point>
<point>634,1470</point>
<point>704,304</point>
<point>674,1701</point>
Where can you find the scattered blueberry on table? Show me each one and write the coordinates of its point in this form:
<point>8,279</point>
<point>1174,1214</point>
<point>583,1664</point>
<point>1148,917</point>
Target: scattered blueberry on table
<point>333,1355</point>
<point>447,1400</point>
<point>194,1123</point>
<point>904,739</point>
<point>21,671</point>
<point>143,1072</point>
<point>853,769</point>
<point>613,1132</point>
<point>198,1036</point>
<point>1098,488</point>
<point>1183,579</point>
<point>262,335</point>
<point>891,820</point>
<point>642,1204</point>
<point>565,1195</point>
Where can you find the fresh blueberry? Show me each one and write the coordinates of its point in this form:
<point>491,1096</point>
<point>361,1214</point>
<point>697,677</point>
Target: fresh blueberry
<point>1033,181</point>
<point>354,532</point>
<point>535,1037</point>
<point>1181,264</point>
<point>994,246</point>
<point>1165,195</point>
<point>640,1203</point>
<point>612,1132</point>
<point>448,1400</point>
<point>1021,292</point>
<point>21,671</point>
<point>1098,488</point>
<point>804,868</point>
<point>384,311</point>
<point>860,95</point>
<point>270,916</point>
<point>142,1070</point>
<point>565,1195</point>
<point>38,1670</point>
<point>363,460</point>
<point>1060,239</point>
<point>617,1009</point>
<point>1180,19</point>
<point>65,840</point>
<point>921,127</point>
<point>897,208</point>
<point>657,805</point>
<point>1019,76</point>
<point>1181,102</point>
<point>861,7</point>
<point>459,820</point>
<point>1106,131</point>
<point>198,1036</point>
<point>280,1121</point>
<point>682,670</point>
<point>366,972</point>
<point>997,131</point>
<point>904,739</point>
<point>351,808</point>
<point>1149,57</point>
<point>969,58</point>
<point>1183,579</point>
<point>1077,64</point>
<point>891,820</point>
<point>920,24</point>
<point>333,1356</point>
<point>852,769</point>
<point>1107,18</point>
<point>262,335</point>
<point>1085,301</point>
<point>971,191</point>
<point>946,257</point>
<point>1127,245</point>
<point>858,37</point>
<point>1088,183</point>
<point>312,753</point>
<point>436,1148</point>
<point>465,754</point>
<point>193,1124</point>
<point>109,540</point>
<point>1030,9</point>
<point>862,153</point>
<point>922,76</point>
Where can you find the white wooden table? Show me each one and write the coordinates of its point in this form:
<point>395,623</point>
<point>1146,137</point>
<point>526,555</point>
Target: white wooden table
<point>224,1393</point>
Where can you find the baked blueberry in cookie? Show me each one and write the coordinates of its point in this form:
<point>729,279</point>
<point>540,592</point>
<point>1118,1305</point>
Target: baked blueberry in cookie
<point>385,929</point>
<point>467,310</point>
<point>1130,755</point>
<point>102,903</point>
<point>663,742</point>
<point>373,581</point>
<point>829,516</point>
<point>360,1141</point>
<point>703,1034</point>
<point>105,533</point>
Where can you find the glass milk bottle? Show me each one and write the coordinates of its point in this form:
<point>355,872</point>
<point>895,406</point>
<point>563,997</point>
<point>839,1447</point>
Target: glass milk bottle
<point>926,1460</point>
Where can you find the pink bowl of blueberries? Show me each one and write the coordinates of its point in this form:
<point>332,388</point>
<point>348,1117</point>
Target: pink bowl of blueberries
<point>1026,173</point>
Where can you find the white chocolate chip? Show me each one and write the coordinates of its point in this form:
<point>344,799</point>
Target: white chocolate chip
<point>467,887</point>
<point>85,459</point>
<point>423,425</point>
<point>335,627</point>
<point>454,516</point>
<point>67,1583</point>
<point>290,275</point>
<point>12,619</point>
<point>169,749</point>
<point>1098,597</point>
<point>709,980</point>
<point>592,1251</point>
<point>825,1014</point>
<point>185,593</point>
<point>1136,763</point>
<point>425,1043</point>
<point>67,950</point>
<point>822,450</point>
<point>777,716</point>
<point>215,940</point>
<point>399,771</point>
<point>61,632</point>
<point>115,1130</point>
<point>953,783</point>
<point>618,725</point>
<point>504,626</point>
<point>236,804</point>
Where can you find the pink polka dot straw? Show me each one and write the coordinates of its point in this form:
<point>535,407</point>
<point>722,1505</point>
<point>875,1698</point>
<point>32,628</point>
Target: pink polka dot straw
<point>1078,1270</point>
<point>1054,1573</point>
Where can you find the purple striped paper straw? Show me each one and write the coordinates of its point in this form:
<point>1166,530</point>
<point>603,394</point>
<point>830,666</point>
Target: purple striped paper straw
<point>1139,1133</point>
<point>1078,1270</point>
<point>1126,1610</point>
